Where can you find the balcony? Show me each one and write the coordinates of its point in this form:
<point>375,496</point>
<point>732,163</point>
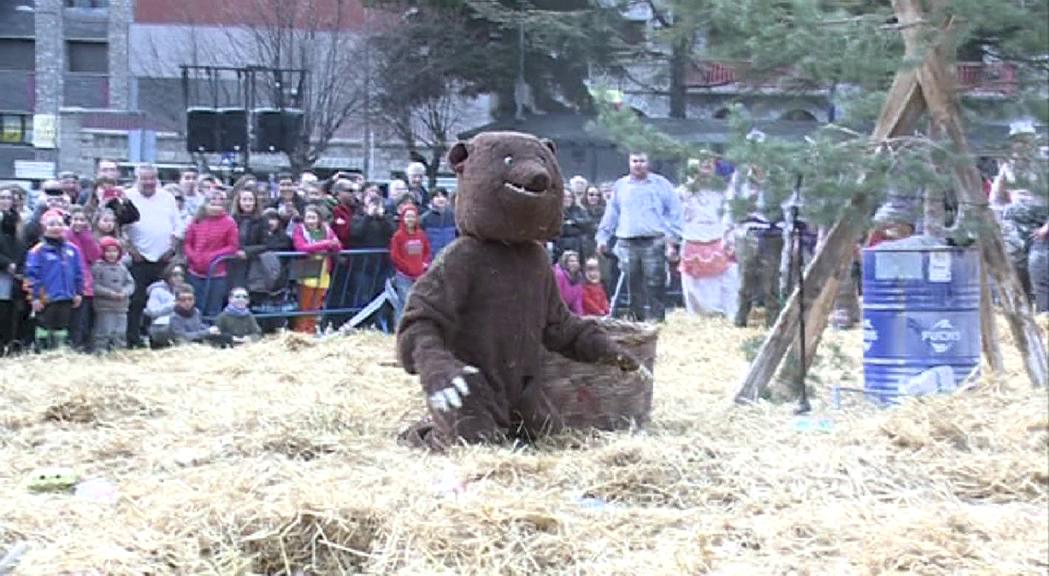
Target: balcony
<point>990,79</point>
<point>973,77</point>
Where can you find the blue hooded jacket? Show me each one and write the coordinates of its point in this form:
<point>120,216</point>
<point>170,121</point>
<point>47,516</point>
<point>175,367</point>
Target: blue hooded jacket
<point>439,228</point>
<point>53,272</point>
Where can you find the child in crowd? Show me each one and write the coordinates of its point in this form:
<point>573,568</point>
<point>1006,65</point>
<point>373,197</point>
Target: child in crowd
<point>106,225</point>
<point>187,325</point>
<point>113,289</point>
<point>569,279</point>
<point>595,299</point>
<point>267,277</point>
<point>314,237</point>
<point>54,280</point>
<point>160,303</point>
<point>212,235</point>
<point>409,253</point>
<point>80,235</point>
<point>236,322</point>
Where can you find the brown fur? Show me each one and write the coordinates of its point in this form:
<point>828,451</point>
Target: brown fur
<point>490,301</point>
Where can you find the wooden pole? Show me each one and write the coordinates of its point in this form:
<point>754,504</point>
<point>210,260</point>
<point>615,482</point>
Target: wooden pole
<point>828,260</point>
<point>992,351</point>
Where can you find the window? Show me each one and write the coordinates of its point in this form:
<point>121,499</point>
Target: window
<point>16,129</point>
<point>91,57</point>
<point>17,54</point>
<point>87,3</point>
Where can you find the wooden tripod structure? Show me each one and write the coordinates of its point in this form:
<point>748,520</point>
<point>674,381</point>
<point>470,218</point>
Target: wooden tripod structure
<point>931,86</point>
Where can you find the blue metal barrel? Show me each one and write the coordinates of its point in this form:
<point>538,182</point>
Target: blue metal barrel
<point>921,316</point>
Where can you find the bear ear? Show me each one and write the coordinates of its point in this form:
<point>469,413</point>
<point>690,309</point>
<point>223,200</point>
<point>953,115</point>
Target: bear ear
<point>457,156</point>
<point>550,144</point>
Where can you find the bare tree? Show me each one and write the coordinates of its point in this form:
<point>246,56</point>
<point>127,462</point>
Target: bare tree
<point>429,125</point>
<point>318,37</point>
<point>418,88</point>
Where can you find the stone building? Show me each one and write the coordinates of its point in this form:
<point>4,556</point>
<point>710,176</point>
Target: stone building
<point>82,80</point>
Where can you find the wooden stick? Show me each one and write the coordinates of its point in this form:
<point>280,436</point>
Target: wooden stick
<point>992,350</point>
<point>828,260</point>
<point>899,114</point>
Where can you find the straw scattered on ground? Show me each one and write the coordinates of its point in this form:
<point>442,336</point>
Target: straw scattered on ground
<point>280,458</point>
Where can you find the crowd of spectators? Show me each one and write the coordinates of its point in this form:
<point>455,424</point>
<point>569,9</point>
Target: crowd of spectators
<point>107,266</point>
<point>103,266</point>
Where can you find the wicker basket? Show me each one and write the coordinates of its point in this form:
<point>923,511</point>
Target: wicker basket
<point>604,397</point>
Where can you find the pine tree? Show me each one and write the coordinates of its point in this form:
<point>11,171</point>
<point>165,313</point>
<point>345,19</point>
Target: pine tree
<point>856,50</point>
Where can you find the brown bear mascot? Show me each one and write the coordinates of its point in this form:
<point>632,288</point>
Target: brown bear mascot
<point>476,323</point>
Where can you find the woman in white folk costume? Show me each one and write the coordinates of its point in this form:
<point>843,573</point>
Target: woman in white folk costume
<point>709,279</point>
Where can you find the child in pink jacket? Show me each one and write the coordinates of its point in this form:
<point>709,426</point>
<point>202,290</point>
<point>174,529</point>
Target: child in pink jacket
<point>212,234</point>
<point>314,237</point>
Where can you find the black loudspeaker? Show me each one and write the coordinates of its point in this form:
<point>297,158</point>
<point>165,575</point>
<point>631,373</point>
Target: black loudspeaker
<point>277,130</point>
<point>233,129</point>
<point>202,134</point>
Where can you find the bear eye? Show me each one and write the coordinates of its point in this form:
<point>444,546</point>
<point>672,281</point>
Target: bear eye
<point>509,160</point>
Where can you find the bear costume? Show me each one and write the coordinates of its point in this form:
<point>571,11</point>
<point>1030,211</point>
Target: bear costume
<point>476,323</point>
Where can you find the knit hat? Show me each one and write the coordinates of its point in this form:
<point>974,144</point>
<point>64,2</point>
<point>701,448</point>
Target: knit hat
<point>405,208</point>
<point>110,242</point>
<point>52,214</point>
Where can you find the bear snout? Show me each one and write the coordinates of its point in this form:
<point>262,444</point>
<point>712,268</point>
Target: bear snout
<point>538,181</point>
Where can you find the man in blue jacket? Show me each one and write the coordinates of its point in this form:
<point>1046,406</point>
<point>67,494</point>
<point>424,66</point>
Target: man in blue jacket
<point>55,281</point>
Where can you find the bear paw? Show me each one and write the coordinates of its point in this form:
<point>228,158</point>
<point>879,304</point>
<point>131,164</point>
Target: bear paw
<point>450,397</point>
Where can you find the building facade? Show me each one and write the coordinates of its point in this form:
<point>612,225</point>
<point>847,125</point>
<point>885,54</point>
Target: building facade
<point>83,80</point>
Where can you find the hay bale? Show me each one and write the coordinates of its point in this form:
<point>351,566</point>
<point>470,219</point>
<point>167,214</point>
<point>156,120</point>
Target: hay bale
<point>603,397</point>
<point>281,458</point>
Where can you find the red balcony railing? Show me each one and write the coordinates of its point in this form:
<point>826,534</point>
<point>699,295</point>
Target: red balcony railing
<point>977,77</point>
<point>987,78</point>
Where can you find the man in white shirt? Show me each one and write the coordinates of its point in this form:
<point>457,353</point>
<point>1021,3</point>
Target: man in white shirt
<point>152,242</point>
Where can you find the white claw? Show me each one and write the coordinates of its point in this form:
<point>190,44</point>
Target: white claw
<point>461,386</point>
<point>438,401</point>
<point>645,373</point>
<point>453,397</point>
<point>468,370</point>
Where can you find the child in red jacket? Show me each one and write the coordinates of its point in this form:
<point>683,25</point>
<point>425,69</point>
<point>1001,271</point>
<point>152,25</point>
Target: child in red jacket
<point>410,254</point>
<point>595,299</point>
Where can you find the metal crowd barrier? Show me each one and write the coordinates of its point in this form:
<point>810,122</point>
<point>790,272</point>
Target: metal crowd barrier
<point>358,283</point>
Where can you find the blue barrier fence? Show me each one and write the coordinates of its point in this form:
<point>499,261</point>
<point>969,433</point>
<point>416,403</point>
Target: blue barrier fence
<point>359,285</point>
<point>357,279</point>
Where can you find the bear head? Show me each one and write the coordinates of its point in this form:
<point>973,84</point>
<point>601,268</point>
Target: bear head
<point>509,187</point>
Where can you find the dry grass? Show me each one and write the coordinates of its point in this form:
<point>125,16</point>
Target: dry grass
<point>280,458</point>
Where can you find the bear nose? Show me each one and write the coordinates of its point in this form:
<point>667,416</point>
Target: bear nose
<point>538,182</point>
